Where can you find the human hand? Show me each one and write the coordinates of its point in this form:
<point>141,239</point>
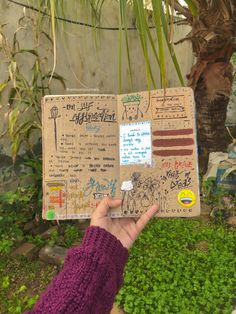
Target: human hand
<point>124,229</point>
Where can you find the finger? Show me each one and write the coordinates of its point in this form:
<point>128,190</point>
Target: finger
<point>105,205</point>
<point>144,219</point>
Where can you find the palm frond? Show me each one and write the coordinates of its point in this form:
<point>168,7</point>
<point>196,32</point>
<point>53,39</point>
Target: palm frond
<point>123,33</point>
<point>170,46</point>
<point>52,10</point>
<point>192,7</point>
<point>157,6</point>
<point>143,30</point>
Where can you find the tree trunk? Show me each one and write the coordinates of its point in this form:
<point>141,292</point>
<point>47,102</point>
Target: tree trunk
<point>212,88</point>
<point>211,131</point>
<point>212,35</point>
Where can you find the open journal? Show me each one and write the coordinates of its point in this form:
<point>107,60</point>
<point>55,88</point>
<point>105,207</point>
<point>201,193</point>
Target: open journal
<point>139,147</point>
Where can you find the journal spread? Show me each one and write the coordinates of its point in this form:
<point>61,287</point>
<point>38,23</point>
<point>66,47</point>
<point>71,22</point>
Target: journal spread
<point>139,147</point>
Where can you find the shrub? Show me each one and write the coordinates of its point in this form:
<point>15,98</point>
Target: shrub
<point>71,234</point>
<point>18,302</point>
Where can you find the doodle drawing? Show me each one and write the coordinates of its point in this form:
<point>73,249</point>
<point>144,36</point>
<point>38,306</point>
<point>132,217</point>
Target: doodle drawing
<point>131,105</point>
<point>54,116</point>
<point>139,193</point>
<point>56,192</point>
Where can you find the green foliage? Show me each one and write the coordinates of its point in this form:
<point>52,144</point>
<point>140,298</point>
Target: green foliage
<point>17,274</point>
<point>210,195</point>
<point>18,199</point>
<point>24,88</point>
<point>33,166</point>
<point>9,233</point>
<point>181,266</point>
<point>71,234</point>
<point>37,240</point>
<point>214,195</point>
<point>18,302</point>
<point>54,238</point>
<point>151,47</point>
<point>5,245</point>
<point>16,208</point>
<point>5,282</point>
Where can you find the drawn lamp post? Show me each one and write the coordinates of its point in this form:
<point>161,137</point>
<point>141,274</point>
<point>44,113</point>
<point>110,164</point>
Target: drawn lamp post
<point>54,116</point>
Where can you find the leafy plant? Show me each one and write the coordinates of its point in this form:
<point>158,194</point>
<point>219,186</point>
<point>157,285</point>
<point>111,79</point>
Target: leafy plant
<point>18,304</point>
<point>16,207</point>
<point>213,194</point>
<point>18,301</point>
<point>33,166</point>
<point>5,282</point>
<point>18,272</point>
<point>5,245</point>
<point>17,199</point>
<point>54,238</point>
<point>180,266</point>
<point>24,90</point>
<point>207,187</point>
<point>36,240</point>
<point>221,201</point>
<point>70,235</point>
<point>9,233</point>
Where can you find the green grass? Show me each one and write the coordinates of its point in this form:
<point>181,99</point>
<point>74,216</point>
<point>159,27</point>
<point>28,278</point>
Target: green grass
<point>22,280</point>
<point>181,266</point>
<point>21,283</point>
<point>176,266</point>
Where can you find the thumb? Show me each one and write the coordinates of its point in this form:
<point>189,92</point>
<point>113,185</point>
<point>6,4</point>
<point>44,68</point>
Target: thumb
<point>144,219</point>
<point>103,208</point>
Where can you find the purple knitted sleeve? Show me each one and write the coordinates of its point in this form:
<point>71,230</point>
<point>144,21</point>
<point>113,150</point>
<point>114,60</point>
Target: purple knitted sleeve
<point>90,279</point>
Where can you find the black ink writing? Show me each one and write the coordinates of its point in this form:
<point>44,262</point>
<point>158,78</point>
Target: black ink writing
<point>101,115</point>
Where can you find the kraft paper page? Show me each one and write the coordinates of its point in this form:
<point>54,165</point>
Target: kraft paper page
<point>140,147</point>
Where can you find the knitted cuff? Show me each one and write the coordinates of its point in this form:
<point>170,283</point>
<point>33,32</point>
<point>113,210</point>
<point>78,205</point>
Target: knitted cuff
<point>104,242</point>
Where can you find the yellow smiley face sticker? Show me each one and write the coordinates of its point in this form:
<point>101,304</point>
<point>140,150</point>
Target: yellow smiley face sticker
<point>186,198</point>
